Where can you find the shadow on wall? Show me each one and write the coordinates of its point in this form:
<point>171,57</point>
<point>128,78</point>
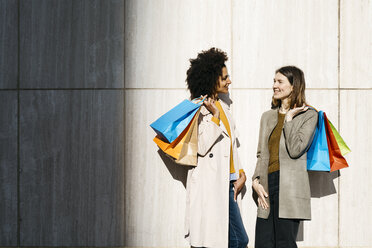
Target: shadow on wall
<point>321,185</point>
<point>178,172</point>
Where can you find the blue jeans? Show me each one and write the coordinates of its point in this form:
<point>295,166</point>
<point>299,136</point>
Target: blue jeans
<point>238,238</point>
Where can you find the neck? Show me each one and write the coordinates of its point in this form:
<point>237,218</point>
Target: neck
<point>215,96</point>
<point>285,105</point>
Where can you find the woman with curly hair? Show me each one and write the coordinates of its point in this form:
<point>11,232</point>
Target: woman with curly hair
<point>213,186</point>
<point>280,181</point>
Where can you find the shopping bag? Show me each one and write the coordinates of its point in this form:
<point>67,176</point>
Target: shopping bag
<point>341,143</point>
<point>318,154</point>
<point>185,147</point>
<point>189,151</point>
<point>170,125</point>
<point>337,161</point>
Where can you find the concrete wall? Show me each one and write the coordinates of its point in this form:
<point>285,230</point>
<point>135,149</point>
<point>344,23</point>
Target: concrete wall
<point>329,40</point>
<point>81,80</point>
<point>62,123</point>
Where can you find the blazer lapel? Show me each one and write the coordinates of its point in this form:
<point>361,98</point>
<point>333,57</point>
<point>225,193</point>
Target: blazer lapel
<point>272,121</point>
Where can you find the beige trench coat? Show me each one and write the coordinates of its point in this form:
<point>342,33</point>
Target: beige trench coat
<point>294,187</point>
<point>207,202</point>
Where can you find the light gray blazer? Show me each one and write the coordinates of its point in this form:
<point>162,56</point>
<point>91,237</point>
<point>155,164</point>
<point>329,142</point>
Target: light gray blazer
<point>294,188</point>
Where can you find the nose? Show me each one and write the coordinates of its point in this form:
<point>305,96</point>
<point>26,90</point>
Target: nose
<point>229,81</point>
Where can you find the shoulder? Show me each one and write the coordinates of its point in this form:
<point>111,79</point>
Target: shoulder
<point>308,114</point>
<point>204,111</point>
<point>311,112</point>
<point>269,114</point>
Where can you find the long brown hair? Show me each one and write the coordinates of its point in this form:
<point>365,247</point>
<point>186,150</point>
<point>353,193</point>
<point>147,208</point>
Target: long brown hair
<point>296,78</point>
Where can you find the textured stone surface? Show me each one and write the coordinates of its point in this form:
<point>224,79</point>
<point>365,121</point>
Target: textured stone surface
<point>322,230</point>
<point>355,182</point>
<point>73,180</point>
<point>248,106</point>
<point>356,44</point>
<point>155,194</point>
<point>8,43</point>
<point>161,36</point>
<point>8,168</point>
<point>270,34</point>
<point>72,161</point>
<point>72,44</point>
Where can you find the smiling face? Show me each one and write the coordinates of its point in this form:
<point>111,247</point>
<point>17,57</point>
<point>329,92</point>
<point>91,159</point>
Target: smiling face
<point>223,82</point>
<point>282,87</point>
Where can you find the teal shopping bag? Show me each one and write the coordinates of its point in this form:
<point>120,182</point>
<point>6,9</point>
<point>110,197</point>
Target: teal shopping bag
<point>170,125</point>
<point>318,154</point>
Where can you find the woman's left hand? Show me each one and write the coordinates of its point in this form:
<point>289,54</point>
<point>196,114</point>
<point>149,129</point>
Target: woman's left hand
<point>239,184</point>
<point>295,111</point>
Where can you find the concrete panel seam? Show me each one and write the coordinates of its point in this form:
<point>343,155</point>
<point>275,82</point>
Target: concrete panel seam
<point>338,114</point>
<point>18,128</point>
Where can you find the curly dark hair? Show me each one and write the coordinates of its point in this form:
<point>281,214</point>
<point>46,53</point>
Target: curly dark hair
<point>204,71</point>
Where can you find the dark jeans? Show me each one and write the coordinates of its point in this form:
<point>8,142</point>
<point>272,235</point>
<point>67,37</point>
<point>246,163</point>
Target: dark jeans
<point>275,232</point>
<point>238,238</point>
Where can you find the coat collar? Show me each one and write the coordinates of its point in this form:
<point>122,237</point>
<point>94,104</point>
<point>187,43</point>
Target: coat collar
<point>225,100</point>
<point>225,103</point>
<point>272,120</point>
<point>226,110</point>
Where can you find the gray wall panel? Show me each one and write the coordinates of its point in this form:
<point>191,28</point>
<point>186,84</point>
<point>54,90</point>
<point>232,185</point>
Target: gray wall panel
<point>8,43</point>
<point>8,168</point>
<point>72,157</point>
<point>72,44</point>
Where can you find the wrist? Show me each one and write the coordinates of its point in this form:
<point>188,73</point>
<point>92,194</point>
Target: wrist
<point>217,115</point>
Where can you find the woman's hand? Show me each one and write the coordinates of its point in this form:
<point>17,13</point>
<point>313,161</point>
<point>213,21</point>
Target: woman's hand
<point>211,106</point>
<point>261,194</point>
<point>239,184</point>
<point>295,111</point>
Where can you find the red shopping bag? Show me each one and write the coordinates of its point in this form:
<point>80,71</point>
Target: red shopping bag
<point>336,159</point>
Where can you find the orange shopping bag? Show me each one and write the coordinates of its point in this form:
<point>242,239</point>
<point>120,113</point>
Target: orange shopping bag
<point>185,147</point>
<point>336,159</point>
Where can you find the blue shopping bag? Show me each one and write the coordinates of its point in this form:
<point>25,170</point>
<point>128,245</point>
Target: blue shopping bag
<point>318,154</point>
<point>170,125</point>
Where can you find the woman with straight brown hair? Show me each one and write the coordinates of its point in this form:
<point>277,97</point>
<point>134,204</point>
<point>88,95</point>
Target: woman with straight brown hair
<point>280,181</point>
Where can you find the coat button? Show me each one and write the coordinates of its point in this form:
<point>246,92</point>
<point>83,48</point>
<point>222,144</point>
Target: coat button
<point>211,155</point>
